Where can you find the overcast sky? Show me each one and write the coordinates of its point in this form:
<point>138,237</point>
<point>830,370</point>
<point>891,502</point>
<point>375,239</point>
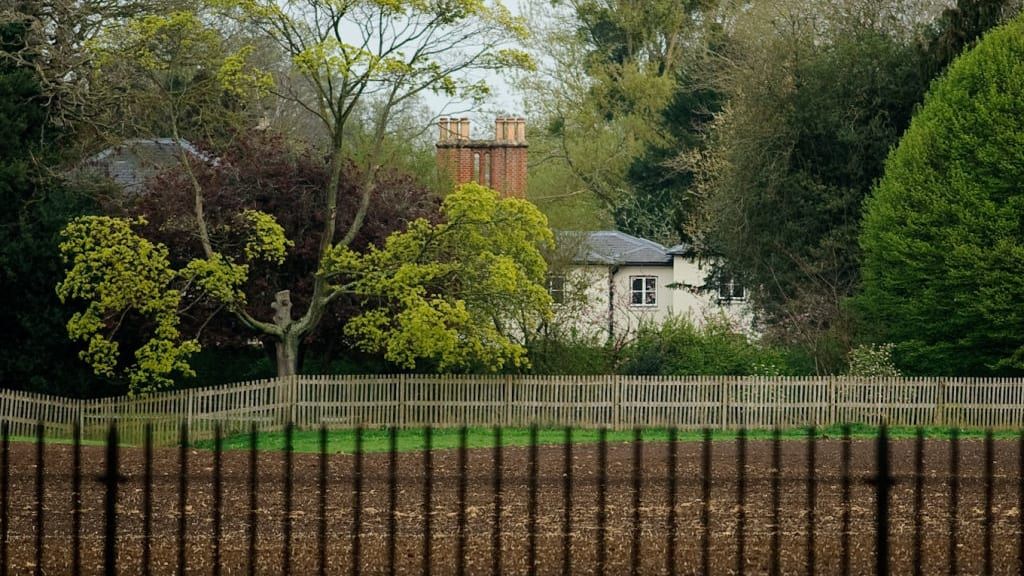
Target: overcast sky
<point>504,98</point>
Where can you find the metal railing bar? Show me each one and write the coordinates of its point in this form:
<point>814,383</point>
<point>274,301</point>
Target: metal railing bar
<point>671,492</point>
<point>774,568</point>
<point>917,560</point>
<point>40,495</point>
<point>954,501</point>
<point>357,504</point>
<point>110,512</point>
<point>321,527</point>
<point>392,500</point>
<point>218,496</point>
<point>741,501</point>
<point>883,482</point>
<point>460,548</point>
<point>182,498</point>
<point>76,504</point>
<point>496,472</point>
<point>253,520</point>
<point>844,536</point>
<point>428,488</point>
<point>812,498</point>
<point>637,478</point>
<point>705,510</point>
<point>531,505</point>
<point>567,466</point>
<point>288,482</point>
<point>602,502</point>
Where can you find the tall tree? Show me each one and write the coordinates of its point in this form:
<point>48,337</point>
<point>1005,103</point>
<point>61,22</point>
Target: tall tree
<point>57,46</point>
<point>612,69</point>
<point>942,236</point>
<point>664,192</point>
<point>959,28</point>
<point>817,94</point>
<point>343,55</point>
<point>33,353</point>
<point>252,173</point>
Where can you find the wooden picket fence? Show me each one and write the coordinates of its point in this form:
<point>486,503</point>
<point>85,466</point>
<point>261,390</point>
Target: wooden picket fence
<point>614,401</point>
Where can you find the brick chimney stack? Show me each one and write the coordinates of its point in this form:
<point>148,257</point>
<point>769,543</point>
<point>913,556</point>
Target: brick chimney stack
<point>499,163</point>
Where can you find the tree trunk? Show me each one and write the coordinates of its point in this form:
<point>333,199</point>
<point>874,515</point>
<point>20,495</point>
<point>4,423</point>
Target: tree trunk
<point>287,356</point>
<point>287,347</point>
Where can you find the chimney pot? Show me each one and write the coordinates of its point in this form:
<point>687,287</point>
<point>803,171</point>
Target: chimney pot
<point>520,129</point>
<point>464,128</point>
<point>501,128</point>
<point>442,124</point>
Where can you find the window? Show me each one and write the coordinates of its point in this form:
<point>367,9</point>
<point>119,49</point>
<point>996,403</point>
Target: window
<point>643,290</point>
<point>730,290</point>
<point>556,288</point>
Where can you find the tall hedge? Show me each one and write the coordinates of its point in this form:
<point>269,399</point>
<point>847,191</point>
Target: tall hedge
<point>943,232</point>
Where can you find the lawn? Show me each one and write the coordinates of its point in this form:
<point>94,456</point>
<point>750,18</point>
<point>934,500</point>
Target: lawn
<point>409,440</point>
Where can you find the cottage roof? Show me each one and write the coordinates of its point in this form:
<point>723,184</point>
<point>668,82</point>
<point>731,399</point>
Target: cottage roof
<point>134,161</point>
<point>612,247</point>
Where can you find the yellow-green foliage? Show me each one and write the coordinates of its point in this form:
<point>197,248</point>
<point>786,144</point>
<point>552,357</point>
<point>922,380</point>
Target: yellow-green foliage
<point>265,240</point>
<point>117,272</point>
<point>403,43</point>
<point>186,60</point>
<point>460,294</point>
<point>238,77</point>
<point>218,278</point>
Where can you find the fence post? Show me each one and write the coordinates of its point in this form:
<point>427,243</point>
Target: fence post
<point>293,394</point>
<point>940,403</point>
<point>403,409</point>
<point>190,397</point>
<point>508,401</point>
<point>832,401</point>
<point>724,402</point>
<point>616,401</point>
<point>81,416</point>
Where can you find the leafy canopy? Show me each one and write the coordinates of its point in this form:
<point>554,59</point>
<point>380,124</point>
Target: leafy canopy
<point>942,237</point>
<point>120,274</point>
<point>612,70</point>
<point>817,94</point>
<point>462,294</point>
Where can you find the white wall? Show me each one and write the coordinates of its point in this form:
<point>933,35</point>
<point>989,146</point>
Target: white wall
<point>586,309</point>
<point>701,305</point>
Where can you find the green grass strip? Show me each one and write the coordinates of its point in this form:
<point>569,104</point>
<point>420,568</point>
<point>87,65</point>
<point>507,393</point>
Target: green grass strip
<point>68,441</point>
<point>411,440</point>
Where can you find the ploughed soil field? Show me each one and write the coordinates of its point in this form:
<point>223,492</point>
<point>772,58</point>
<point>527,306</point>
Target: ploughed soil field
<point>514,541</point>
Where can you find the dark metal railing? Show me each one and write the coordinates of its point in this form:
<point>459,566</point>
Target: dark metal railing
<point>613,489</point>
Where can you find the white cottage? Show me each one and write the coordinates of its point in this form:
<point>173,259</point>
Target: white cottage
<point>612,282</point>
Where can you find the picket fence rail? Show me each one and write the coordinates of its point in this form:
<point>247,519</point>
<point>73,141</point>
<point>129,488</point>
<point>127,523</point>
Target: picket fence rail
<point>613,401</point>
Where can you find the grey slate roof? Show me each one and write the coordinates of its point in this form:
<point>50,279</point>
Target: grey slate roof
<point>134,161</point>
<point>612,247</point>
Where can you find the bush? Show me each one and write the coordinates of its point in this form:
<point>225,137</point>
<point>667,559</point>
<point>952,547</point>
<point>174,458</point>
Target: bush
<point>873,360</point>
<point>571,355</point>
<point>679,348</point>
<point>942,236</point>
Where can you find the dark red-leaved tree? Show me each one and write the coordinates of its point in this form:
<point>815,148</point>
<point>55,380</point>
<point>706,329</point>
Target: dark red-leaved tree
<point>262,171</point>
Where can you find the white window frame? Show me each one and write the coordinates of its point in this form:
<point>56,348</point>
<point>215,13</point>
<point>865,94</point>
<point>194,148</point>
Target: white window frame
<point>644,292</point>
<point>731,284</point>
<point>556,279</point>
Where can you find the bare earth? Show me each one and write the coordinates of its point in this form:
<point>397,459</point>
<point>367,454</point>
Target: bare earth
<point>654,508</point>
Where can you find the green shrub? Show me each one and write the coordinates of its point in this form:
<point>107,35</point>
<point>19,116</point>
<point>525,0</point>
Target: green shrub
<point>571,355</point>
<point>679,348</point>
<point>873,360</point>
<point>942,235</point>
